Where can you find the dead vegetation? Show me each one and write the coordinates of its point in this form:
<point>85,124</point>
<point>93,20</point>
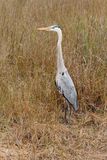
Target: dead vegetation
<point>31,124</point>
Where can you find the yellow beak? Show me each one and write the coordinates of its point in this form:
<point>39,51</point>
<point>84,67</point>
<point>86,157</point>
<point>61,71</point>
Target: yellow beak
<point>43,29</point>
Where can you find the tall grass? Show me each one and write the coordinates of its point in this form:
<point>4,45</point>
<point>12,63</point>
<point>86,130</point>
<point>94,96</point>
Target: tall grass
<point>28,59</point>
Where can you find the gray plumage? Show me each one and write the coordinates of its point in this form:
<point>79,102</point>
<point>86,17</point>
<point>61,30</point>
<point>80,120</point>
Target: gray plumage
<point>66,87</point>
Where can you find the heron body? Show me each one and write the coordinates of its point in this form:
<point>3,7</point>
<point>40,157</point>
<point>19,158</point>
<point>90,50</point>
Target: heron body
<point>64,82</point>
<point>66,87</point>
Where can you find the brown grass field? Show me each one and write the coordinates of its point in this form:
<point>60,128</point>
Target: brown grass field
<point>31,123</point>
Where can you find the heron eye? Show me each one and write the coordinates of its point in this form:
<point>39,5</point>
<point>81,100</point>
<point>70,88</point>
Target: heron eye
<point>62,73</point>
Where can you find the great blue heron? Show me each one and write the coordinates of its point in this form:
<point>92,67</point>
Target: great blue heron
<point>64,82</point>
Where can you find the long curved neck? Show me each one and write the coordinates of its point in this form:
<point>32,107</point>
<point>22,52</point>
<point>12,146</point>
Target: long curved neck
<point>60,60</point>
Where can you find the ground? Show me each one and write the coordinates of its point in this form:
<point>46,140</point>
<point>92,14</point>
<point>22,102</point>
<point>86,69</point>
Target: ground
<point>85,136</point>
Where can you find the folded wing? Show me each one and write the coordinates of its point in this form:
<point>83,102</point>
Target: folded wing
<point>66,87</point>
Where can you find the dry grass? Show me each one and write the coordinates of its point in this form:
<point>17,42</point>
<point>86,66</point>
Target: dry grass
<point>31,127</point>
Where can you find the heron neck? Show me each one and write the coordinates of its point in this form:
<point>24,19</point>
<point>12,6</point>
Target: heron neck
<point>60,60</point>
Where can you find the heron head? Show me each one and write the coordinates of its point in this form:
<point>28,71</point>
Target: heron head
<point>54,28</point>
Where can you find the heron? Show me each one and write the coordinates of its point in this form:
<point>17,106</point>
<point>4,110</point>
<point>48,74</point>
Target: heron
<point>64,82</point>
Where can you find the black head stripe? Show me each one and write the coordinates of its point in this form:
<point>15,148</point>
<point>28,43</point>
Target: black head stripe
<point>56,26</point>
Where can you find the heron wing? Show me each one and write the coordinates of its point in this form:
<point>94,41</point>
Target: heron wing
<point>66,87</point>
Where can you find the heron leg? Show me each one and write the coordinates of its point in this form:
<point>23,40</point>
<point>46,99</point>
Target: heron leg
<point>68,108</point>
<point>65,116</point>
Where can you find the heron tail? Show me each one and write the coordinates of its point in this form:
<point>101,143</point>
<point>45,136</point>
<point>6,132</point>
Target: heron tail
<point>76,106</point>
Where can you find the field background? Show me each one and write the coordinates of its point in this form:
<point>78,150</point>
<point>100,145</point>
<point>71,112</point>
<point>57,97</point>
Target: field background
<point>31,124</point>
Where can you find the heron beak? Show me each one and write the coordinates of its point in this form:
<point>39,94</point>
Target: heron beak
<point>43,29</point>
